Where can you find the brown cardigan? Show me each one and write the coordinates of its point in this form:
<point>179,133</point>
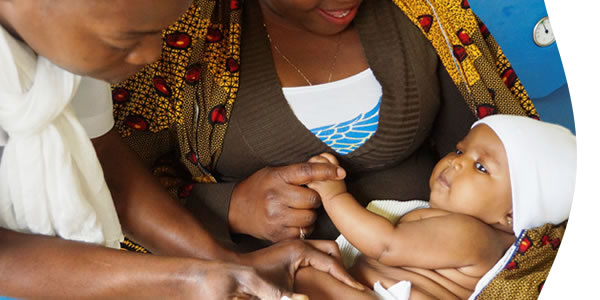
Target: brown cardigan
<point>421,107</point>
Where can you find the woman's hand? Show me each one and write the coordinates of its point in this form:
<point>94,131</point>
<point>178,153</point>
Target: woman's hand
<point>220,280</point>
<point>327,189</point>
<point>272,204</point>
<point>280,262</point>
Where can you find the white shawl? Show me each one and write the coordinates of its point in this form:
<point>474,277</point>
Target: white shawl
<point>51,181</point>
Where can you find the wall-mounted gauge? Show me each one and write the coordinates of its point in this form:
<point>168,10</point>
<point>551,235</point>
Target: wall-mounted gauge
<point>542,33</point>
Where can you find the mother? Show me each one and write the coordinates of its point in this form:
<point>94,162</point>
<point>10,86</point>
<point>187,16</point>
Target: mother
<point>246,90</point>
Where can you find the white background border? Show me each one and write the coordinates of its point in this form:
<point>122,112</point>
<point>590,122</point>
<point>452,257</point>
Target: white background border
<point>574,274</point>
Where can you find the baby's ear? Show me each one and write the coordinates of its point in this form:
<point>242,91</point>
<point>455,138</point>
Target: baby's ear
<point>509,219</point>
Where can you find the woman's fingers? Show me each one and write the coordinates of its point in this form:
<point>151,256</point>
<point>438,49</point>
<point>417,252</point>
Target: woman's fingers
<point>329,247</point>
<point>325,263</point>
<point>299,197</point>
<point>303,173</point>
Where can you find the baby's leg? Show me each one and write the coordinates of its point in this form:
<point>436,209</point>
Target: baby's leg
<point>320,285</point>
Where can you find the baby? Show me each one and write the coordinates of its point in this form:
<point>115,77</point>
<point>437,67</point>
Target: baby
<point>509,174</point>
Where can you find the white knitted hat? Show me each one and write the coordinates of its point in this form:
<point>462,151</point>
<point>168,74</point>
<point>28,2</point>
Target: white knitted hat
<point>542,163</point>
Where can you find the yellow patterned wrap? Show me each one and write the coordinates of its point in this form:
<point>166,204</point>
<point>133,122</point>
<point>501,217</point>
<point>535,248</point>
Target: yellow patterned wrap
<point>525,274</point>
<point>470,55</point>
<point>195,81</point>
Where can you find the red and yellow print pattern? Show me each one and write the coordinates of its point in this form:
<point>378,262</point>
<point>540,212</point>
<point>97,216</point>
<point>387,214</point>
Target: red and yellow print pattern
<point>469,53</point>
<point>153,99</point>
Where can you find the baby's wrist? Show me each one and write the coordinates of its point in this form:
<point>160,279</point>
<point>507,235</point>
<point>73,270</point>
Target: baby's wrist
<point>334,196</point>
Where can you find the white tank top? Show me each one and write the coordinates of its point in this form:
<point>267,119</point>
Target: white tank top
<point>344,114</point>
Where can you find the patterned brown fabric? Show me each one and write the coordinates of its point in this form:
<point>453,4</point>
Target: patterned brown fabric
<point>524,275</point>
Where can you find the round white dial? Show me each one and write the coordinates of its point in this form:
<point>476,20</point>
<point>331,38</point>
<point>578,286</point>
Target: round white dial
<point>542,33</point>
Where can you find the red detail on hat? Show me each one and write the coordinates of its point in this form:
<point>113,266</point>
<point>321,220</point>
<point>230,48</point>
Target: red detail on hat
<point>218,115</point>
<point>160,84</point>
<point>464,37</point>
<point>192,76</point>
<point>460,53</point>
<point>213,35</point>
<point>425,21</point>
<point>178,40</point>
<point>509,77</point>
<point>234,4</point>
<point>120,95</point>
<point>136,122</point>
<point>485,110</point>
<point>232,65</point>
<point>524,245</point>
<point>541,286</point>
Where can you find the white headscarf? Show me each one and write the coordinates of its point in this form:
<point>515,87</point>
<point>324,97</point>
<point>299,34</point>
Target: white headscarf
<point>542,164</point>
<point>51,181</point>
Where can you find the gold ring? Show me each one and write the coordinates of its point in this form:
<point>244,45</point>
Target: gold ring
<point>302,235</point>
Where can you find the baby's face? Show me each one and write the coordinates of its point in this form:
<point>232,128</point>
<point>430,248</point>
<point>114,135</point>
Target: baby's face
<point>475,179</point>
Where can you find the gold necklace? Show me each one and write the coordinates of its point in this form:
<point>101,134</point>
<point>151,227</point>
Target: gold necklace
<point>331,68</point>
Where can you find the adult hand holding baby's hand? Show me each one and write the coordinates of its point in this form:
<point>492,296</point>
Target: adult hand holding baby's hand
<point>272,204</point>
<point>327,189</point>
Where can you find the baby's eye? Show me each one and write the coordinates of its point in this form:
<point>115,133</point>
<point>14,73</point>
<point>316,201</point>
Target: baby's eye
<point>458,152</point>
<point>480,167</point>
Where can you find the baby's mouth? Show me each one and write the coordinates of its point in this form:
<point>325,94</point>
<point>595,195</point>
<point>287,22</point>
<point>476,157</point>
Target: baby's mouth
<point>443,180</point>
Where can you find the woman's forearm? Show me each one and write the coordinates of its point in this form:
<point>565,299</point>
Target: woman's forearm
<point>147,212</point>
<point>37,266</point>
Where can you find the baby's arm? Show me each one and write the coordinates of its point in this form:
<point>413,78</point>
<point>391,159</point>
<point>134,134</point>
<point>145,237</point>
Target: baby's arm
<point>436,239</point>
<point>425,238</point>
<point>368,232</point>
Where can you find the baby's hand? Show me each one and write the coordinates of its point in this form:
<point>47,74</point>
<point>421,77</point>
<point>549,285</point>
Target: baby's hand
<point>329,188</point>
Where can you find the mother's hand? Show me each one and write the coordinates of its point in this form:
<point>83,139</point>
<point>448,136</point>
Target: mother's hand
<point>273,205</point>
